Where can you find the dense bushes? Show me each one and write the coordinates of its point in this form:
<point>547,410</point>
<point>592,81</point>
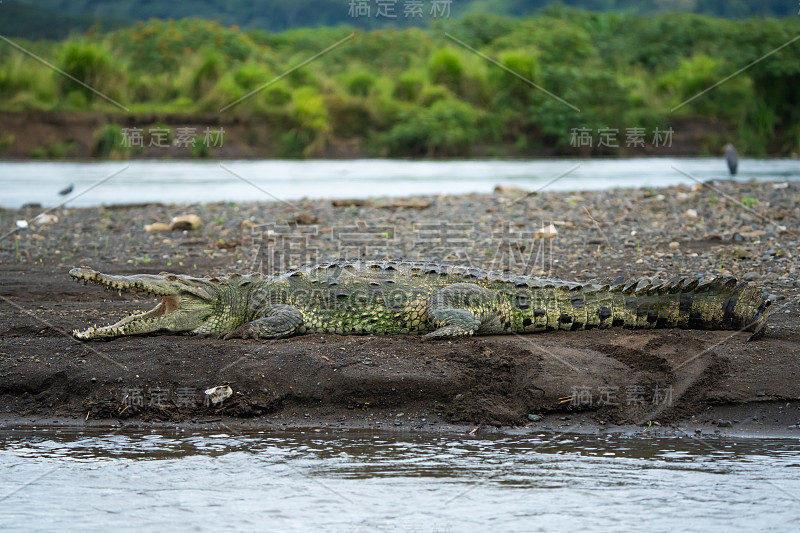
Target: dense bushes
<point>412,92</point>
<point>446,128</point>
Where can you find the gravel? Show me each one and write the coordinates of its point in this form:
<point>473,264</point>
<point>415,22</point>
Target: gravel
<point>747,230</point>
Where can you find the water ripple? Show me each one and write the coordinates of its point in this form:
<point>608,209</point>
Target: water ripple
<point>361,481</point>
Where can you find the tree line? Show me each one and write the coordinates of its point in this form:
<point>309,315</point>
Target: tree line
<point>478,84</point>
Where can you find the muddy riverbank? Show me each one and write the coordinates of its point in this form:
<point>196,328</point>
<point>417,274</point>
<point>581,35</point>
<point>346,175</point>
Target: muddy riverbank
<point>665,380</point>
<point>66,135</point>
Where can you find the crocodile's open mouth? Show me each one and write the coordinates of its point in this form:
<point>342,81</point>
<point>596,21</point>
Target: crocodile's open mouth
<point>135,323</point>
<point>177,311</point>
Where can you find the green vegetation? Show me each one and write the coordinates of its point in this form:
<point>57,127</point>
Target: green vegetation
<point>749,201</point>
<point>415,92</point>
<point>57,150</point>
<point>6,141</point>
<point>108,141</point>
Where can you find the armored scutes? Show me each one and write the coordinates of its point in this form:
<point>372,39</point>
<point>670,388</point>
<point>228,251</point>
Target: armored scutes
<point>439,300</point>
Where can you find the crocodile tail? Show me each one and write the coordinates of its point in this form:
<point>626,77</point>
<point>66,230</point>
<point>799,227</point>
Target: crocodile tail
<point>689,303</point>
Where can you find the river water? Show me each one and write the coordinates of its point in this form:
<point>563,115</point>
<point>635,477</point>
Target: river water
<point>193,181</point>
<point>354,481</point>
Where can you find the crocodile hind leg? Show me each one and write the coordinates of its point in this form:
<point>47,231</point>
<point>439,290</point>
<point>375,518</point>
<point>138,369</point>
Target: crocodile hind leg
<point>461,310</point>
<point>453,323</point>
<point>279,321</point>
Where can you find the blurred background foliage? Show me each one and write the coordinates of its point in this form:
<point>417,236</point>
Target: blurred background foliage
<point>415,92</point>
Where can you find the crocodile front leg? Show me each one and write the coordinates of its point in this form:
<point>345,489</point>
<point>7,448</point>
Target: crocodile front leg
<point>461,310</point>
<point>280,320</point>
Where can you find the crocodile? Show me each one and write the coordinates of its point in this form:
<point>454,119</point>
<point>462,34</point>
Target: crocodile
<point>351,297</point>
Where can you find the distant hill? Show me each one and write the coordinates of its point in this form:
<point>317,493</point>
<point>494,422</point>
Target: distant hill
<point>56,19</point>
<point>37,20</point>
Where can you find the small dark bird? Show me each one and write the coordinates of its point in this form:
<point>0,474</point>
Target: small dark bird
<point>65,191</point>
<point>732,157</point>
